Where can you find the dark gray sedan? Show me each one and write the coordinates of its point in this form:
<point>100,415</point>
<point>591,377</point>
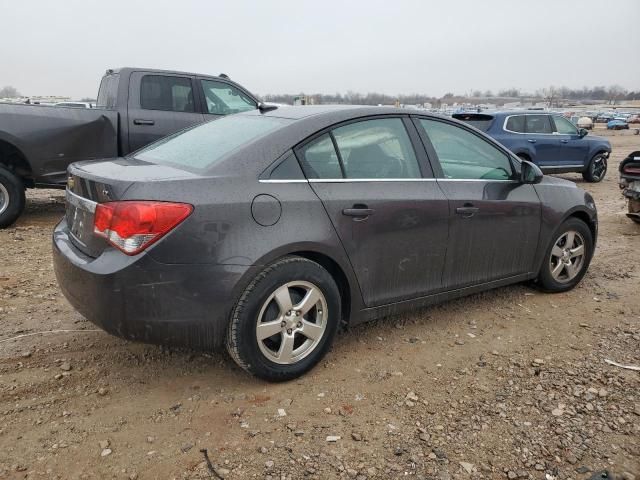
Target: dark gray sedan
<point>265,231</point>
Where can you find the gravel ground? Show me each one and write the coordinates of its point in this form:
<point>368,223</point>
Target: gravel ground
<point>509,384</point>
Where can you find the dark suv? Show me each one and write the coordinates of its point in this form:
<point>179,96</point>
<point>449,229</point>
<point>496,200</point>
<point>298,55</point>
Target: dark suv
<point>549,140</point>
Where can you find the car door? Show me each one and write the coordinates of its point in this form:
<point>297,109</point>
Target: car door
<point>574,148</point>
<point>160,104</point>
<point>494,220</point>
<point>384,203</point>
<point>546,145</point>
<point>223,98</point>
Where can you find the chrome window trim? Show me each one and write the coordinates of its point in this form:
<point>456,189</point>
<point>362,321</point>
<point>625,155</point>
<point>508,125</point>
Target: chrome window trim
<point>280,180</point>
<point>362,180</point>
<point>80,202</point>
<point>504,125</point>
<point>475,180</point>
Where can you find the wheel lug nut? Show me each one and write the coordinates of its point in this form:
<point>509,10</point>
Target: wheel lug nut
<point>289,313</point>
<point>297,314</point>
<point>299,324</point>
<point>283,323</point>
<point>289,331</point>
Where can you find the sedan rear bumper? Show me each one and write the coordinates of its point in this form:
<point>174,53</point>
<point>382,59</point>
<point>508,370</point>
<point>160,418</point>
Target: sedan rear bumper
<point>140,299</point>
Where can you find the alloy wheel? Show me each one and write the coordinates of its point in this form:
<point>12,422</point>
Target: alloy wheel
<point>567,256</point>
<point>4,198</point>
<point>599,167</point>
<point>292,322</point>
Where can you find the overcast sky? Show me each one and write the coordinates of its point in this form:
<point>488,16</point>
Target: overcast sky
<point>324,46</point>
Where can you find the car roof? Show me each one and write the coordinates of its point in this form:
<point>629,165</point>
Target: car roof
<point>127,70</point>
<point>299,112</point>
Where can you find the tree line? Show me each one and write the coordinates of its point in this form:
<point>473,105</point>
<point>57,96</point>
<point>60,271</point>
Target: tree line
<point>552,95</point>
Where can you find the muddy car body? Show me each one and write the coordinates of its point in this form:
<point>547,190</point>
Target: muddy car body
<point>357,203</point>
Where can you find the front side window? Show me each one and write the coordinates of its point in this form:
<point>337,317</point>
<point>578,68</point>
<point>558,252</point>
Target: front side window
<point>225,99</point>
<point>464,155</point>
<point>515,123</point>
<point>163,92</point>
<point>564,126</point>
<point>378,148</point>
<point>538,124</point>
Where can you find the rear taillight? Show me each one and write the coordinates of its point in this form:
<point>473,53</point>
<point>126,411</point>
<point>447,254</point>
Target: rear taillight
<point>632,169</point>
<point>131,226</point>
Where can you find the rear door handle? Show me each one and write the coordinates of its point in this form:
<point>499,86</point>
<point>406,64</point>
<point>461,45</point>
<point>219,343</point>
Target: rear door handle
<point>358,212</point>
<point>531,140</point>
<point>564,141</point>
<point>467,211</point>
<point>139,121</point>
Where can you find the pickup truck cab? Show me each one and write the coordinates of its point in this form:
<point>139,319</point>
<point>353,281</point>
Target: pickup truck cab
<point>547,139</point>
<point>135,106</point>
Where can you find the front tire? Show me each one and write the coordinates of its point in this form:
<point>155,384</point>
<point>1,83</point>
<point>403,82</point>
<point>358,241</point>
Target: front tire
<point>12,197</point>
<point>285,320</point>
<point>567,258</point>
<point>597,169</point>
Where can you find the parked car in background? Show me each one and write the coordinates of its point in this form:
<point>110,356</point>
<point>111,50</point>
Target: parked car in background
<point>634,119</point>
<point>617,125</point>
<point>549,140</point>
<point>630,184</point>
<point>75,104</point>
<point>266,231</point>
<point>135,107</point>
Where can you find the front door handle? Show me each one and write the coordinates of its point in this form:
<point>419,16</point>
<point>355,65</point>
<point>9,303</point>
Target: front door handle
<point>531,140</point>
<point>467,211</point>
<point>358,211</point>
<point>564,141</point>
<point>139,121</point>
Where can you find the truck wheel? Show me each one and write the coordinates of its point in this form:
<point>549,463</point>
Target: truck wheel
<point>597,169</point>
<point>12,199</point>
<point>285,320</point>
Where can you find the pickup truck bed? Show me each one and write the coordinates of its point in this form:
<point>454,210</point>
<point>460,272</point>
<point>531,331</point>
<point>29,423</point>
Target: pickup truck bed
<point>136,107</point>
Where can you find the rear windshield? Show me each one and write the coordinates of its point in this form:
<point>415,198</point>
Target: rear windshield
<point>108,93</point>
<point>200,147</point>
<point>478,120</point>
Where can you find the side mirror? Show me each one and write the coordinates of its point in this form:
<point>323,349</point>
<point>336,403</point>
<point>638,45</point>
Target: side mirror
<point>530,173</point>
<point>583,132</point>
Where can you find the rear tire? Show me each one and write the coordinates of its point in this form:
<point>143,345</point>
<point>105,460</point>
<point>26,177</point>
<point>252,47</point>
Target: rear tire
<point>597,169</point>
<point>634,207</point>
<point>12,197</point>
<point>285,320</point>
<point>567,258</point>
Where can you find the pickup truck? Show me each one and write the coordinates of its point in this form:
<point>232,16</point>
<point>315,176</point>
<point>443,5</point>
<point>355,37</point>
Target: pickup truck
<point>135,107</point>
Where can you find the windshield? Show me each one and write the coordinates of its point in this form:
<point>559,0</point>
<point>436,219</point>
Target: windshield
<point>200,147</point>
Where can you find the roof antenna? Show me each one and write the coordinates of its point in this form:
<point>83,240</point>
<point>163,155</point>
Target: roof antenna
<point>265,107</point>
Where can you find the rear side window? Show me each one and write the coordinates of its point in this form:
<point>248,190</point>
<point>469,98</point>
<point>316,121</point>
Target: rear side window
<point>538,124</point>
<point>378,148</point>
<point>200,147</point>
<point>516,123</point>
<point>464,155</point>
<point>162,92</point>
<point>225,99</point>
<point>320,160</point>
<point>108,92</point>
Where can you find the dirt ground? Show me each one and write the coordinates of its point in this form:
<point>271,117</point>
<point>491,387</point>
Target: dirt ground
<point>508,384</point>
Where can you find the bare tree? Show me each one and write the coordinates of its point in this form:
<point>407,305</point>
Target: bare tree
<point>614,93</point>
<point>9,92</point>
<point>550,95</point>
